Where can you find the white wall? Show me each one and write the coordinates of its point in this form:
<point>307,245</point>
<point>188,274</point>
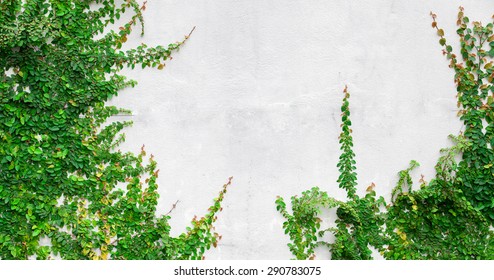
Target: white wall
<point>256,93</point>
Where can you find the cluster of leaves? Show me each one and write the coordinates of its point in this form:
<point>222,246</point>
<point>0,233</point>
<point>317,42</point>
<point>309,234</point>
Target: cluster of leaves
<point>436,221</point>
<point>65,189</point>
<point>448,218</point>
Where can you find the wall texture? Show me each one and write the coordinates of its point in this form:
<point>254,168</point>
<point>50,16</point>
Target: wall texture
<point>256,93</point>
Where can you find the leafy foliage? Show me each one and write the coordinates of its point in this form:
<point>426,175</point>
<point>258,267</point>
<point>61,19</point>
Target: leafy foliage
<point>449,217</point>
<point>436,221</point>
<point>65,189</point>
<point>359,219</point>
<point>304,225</point>
<point>473,78</point>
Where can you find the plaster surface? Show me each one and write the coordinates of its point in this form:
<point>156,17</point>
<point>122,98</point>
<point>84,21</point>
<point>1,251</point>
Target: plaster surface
<point>255,93</point>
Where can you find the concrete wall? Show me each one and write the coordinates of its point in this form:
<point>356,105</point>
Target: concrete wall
<point>256,93</point>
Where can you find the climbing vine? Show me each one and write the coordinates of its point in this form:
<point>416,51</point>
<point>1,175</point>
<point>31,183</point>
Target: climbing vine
<point>66,191</point>
<point>447,218</point>
<point>359,220</point>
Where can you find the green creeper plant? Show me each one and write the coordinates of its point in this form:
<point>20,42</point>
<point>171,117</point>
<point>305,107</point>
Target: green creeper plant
<point>473,79</point>
<point>436,221</point>
<point>448,218</point>
<point>65,189</point>
<point>358,219</point>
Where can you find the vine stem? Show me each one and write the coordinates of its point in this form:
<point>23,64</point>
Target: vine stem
<point>190,33</point>
<point>173,207</point>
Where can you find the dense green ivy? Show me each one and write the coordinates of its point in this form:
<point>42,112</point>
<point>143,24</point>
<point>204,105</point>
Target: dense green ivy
<point>473,77</point>
<point>448,218</point>
<point>65,189</point>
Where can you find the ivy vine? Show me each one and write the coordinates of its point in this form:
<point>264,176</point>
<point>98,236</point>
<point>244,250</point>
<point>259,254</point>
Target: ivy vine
<point>66,190</point>
<point>447,218</point>
<point>358,222</point>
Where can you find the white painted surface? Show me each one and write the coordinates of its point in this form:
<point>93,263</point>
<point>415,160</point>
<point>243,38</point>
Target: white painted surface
<point>256,93</point>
